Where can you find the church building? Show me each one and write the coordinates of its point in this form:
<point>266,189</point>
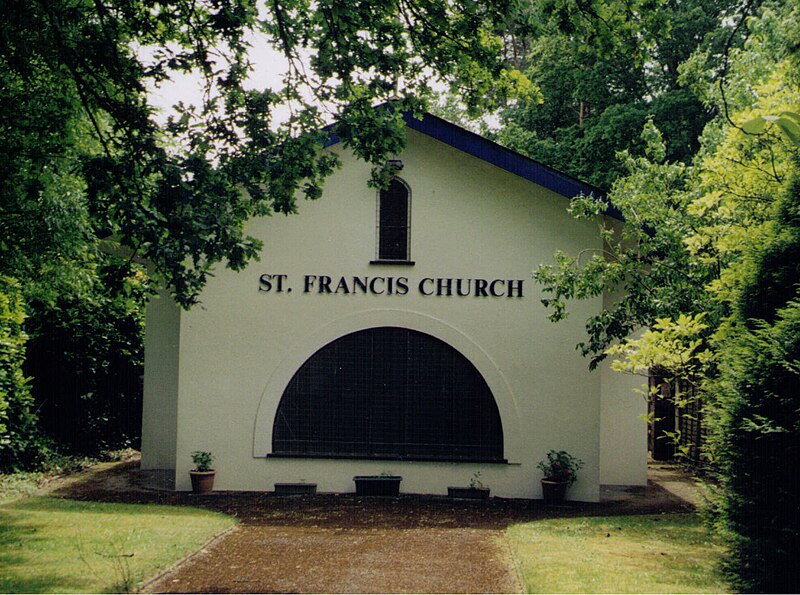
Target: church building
<point>396,332</point>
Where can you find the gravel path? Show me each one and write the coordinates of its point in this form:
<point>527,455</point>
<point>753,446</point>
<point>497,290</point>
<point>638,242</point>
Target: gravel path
<point>267,559</point>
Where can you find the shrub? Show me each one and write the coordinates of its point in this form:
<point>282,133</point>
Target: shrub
<point>756,435</point>
<point>560,466</point>
<point>202,460</point>
<point>86,359</point>
<point>19,444</point>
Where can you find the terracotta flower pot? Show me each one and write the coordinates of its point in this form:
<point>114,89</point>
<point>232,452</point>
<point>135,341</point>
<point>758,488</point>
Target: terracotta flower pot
<point>554,491</point>
<point>202,481</point>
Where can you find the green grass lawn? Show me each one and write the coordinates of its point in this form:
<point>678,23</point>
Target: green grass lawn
<point>54,545</point>
<point>629,554</point>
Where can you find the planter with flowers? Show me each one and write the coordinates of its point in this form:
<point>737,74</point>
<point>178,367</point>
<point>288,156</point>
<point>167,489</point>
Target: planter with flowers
<point>202,475</point>
<point>560,471</point>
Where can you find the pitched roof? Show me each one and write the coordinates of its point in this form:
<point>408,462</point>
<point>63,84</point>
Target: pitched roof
<point>498,155</point>
<point>511,161</point>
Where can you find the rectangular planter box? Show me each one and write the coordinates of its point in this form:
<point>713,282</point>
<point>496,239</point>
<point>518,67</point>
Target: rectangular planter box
<point>295,489</point>
<point>469,493</point>
<point>377,485</point>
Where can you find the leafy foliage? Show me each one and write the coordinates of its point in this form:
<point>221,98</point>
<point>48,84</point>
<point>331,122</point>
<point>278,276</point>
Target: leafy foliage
<point>684,247</point>
<point>788,122</point>
<point>76,75</point>
<point>603,68</point>
<point>755,415</point>
<point>645,261</point>
<point>17,419</point>
<point>705,269</point>
<point>673,345</point>
<point>86,357</point>
<point>560,466</point>
<point>202,460</point>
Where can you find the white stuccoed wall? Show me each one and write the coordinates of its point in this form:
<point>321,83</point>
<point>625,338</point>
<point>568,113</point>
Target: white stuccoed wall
<point>161,366</point>
<point>469,219</point>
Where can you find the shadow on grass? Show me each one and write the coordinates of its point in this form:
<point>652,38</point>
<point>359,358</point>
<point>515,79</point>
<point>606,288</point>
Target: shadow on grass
<point>19,574</point>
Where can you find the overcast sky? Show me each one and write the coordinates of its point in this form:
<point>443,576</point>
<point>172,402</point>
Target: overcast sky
<point>269,67</point>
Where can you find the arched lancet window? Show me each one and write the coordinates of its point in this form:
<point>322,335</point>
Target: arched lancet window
<point>389,393</point>
<point>394,221</point>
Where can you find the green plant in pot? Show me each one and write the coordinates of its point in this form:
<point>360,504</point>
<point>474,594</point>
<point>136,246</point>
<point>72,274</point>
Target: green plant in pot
<point>560,471</point>
<point>202,475</point>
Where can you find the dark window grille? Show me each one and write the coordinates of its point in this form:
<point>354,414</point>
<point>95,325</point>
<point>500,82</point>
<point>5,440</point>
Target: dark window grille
<point>393,224</point>
<point>389,393</point>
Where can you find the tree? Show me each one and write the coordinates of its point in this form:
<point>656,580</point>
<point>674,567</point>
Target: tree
<point>94,183</point>
<point>684,247</point>
<point>178,194</point>
<point>756,411</point>
<point>86,356</point>
<point>706,266</point>
<point>17,422</point>
<point>603,68</point>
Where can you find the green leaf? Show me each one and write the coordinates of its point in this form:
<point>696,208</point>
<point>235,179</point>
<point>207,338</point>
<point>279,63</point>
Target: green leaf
<point>790,129</point>
<point>754,126</point>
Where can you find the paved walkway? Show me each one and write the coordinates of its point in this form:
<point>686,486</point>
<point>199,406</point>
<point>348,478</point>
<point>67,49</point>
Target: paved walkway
<point>344,544</point>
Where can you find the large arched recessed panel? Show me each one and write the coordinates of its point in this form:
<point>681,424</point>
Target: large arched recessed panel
<point>389,393</point>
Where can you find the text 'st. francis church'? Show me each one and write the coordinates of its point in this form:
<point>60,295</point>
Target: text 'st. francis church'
<point>396,332</point>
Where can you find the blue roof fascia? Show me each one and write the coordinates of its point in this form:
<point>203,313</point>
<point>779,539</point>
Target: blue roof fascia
<point>511,161</point>
<point>499,156</point>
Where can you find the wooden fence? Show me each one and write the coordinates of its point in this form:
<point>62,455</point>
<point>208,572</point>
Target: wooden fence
<point>676,428</point>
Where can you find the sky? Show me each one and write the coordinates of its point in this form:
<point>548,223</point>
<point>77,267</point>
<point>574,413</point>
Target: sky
<point>269,67</point>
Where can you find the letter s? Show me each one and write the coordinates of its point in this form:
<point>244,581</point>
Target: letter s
<point>264,283</point>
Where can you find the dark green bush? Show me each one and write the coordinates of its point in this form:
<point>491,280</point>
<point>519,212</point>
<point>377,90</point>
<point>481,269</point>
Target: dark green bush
<point>86,359</point>
<point>756,420</point>
<point>761,457</point>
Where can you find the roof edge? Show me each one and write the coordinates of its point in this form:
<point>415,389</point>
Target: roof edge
<point>491,152</point>
<point>505,158</point>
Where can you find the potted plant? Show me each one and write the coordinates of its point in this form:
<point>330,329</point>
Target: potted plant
<point>475,491</point>
<point>560,472</point>
<point>384,484</point>
<point>202,475</point>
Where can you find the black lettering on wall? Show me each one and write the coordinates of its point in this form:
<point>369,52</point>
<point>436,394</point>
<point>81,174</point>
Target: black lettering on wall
<point>372,283</point>
<point>324,284</point>
<point>444,287</point>
<point>466,290</point>
<point>265,283</point>
<point>515,286</point>
<point>492,289</point>
<point>402,286</point>
<point>429,286</point>
<point>342,286</point>
<point>308,282</point>
<point>422,286</point>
